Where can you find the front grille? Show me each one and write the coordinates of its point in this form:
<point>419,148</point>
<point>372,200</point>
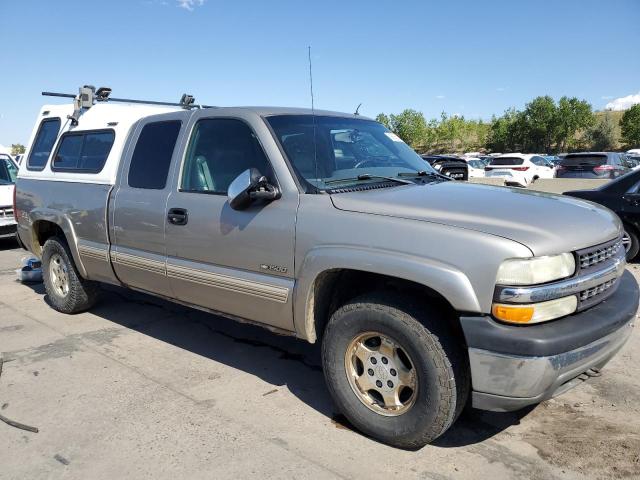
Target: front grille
<point>590,257</point>
<point>597,290</point>
<point>6,212</point>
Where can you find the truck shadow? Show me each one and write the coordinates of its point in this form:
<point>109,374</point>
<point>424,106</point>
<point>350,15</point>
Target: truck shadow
<point>279,360</point>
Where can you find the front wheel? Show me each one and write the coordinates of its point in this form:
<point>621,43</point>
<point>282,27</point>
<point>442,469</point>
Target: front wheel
<point>394,371</point>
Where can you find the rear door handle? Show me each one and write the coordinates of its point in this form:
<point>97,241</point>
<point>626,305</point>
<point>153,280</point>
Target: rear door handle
<point>178,216</point>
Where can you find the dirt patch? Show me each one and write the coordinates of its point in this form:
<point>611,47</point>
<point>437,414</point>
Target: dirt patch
<point>568,438</point>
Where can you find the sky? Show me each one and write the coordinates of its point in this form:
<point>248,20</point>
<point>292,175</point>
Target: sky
<point>465,57</point>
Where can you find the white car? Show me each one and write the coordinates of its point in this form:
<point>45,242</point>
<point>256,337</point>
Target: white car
<point>519,169</point>
<point>8,172</point>
<point>476,167</point>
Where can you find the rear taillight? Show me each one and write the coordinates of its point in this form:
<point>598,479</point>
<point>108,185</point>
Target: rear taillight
<point>520,169</point>
<point>486,169</point>
<point>15,210</point>
<point>604,168</point>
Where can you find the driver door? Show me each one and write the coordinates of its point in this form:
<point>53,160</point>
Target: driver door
<point>235,262</point>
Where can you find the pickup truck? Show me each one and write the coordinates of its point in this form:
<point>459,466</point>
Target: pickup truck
<point>427,294</point>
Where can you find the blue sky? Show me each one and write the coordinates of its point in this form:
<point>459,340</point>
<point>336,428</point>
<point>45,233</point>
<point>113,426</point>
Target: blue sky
<point>474,58</point>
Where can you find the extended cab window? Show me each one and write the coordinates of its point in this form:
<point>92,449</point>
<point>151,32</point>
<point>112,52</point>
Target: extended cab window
<point>152,156</point>
<point>220,149</point>
<point>43,143</point>
<point>83,152</point>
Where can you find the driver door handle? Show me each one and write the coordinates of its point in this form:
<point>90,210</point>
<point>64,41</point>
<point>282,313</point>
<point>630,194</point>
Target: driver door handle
<point>178,216</point>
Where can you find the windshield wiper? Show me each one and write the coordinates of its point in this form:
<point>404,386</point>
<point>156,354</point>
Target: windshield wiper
<point>367,176</point>
<point>423,173</point>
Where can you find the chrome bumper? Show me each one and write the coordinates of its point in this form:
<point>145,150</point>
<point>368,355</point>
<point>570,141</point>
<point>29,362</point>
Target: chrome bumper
<point>509,382</point>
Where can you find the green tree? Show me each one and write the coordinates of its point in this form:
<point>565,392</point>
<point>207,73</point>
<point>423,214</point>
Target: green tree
<point>630,126</point>
<point>384,120</point>
<point>506,132</point>
<point>573,115</point>
<point>541,122</point>
<point>602,135</point>
<point>410,126</point>
<point>17,149</point>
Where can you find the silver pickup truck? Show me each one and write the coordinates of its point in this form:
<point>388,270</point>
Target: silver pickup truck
<point>427,294</point>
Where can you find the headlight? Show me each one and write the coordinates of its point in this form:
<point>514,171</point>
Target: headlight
<point>535,312</point>
<point>535,270</point>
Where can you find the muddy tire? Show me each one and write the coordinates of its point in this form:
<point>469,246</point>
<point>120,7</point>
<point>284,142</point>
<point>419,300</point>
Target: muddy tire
<point>67,291</point>
<point>395,370</point>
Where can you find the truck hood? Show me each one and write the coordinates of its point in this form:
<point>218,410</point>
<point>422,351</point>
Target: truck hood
<point>544,222</point>
<point>6,195</point>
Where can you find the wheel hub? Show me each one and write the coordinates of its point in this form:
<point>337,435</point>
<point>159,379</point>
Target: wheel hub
<point>58,275</point>
<point>381,374</point>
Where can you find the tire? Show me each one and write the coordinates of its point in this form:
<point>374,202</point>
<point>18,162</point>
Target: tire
<point>67,291</point>
<point>438,361</point>
<point>634,243</point>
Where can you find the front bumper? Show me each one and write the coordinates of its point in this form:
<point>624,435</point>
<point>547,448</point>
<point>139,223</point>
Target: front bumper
<point>516,366</point>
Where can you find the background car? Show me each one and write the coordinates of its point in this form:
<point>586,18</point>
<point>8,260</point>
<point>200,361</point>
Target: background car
<point>519,169</point>
<point>449,165</point>
<point>8,173</point>
<point>623,197</point>
<point>476,167</point>
<point>592,165</point>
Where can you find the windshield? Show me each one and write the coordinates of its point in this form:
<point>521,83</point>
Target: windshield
<point>8,171</point>
<point>476,164</point>
<point>344,148</point>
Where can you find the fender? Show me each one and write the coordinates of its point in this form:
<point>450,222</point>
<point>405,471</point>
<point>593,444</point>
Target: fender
<point>64,222</point>
<point>448,281</point>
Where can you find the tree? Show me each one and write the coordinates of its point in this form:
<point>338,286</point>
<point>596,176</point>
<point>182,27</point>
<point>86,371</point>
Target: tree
<point>630,126</point>
<point>17,149</point>
<point>410,126</point>
<point>384,120</point>
<point>602,135</point>
<point>572,115</point>
<point>505,133</point>
<point>541,121</point>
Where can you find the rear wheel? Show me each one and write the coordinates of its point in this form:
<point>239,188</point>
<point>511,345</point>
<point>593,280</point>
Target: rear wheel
<point>631,243</point>
<point>394,370</point>
<point>67,291</point>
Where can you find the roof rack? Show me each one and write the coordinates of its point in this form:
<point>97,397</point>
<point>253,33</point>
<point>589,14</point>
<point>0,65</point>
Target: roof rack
<point>88,96</point>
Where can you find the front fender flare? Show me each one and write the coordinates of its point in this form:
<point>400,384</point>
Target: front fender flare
<point>445,279</point>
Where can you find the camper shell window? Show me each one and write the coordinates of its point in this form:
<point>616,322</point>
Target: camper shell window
<point>83,152</point>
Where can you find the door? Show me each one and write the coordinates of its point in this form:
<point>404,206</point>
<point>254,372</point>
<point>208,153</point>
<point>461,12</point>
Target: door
<point>138,207</point>
<point>236,262</point>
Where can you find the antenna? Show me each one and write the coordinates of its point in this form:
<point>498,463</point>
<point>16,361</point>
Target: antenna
<point>357,112</point>
<point>313,114</point>
<point>311,79</point>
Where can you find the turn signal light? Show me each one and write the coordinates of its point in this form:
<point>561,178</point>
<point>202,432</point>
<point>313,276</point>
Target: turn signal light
<point>513,314</point>
<point>535,312</point>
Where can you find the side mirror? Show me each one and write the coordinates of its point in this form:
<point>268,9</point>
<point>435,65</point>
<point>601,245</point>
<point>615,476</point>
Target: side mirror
<point>250,185</point>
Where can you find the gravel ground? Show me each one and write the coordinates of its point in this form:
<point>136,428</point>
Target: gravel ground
<point>140,388</point>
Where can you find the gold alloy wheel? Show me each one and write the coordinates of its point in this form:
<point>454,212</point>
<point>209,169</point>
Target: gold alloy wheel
<point>381,374</point>
<point>58,275</point>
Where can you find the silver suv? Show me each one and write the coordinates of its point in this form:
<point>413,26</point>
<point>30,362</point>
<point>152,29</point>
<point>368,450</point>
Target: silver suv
<point>426,293</point>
